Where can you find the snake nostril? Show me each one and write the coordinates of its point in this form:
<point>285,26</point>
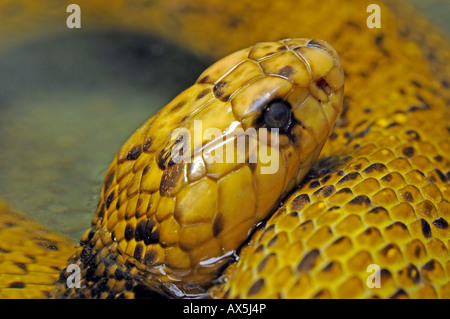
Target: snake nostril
<point>314,44</point>
<point>324,86</point>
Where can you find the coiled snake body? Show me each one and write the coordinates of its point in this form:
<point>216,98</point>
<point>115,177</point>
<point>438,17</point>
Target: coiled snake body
<point>378,196</point>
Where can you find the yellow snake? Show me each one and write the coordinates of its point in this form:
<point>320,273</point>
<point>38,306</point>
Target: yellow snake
<point>379,194</point>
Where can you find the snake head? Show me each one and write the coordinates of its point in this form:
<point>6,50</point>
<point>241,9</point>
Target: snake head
<point>187,189</point>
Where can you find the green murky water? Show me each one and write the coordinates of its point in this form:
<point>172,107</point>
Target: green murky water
<point>67,104</point>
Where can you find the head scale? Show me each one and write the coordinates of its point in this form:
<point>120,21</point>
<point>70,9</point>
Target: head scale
<point>189,186</point>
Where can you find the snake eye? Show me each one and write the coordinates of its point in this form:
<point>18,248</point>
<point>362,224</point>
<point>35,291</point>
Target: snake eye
<point>277,114</point>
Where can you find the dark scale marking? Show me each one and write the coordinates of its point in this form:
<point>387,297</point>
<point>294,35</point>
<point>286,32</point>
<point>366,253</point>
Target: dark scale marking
<point>85,255</point>
<point>345,190</point>
<point>217,225</point>
<point>259,249</point>
<point>438,158</point>
<point>218,88</point>
<point>408,151</point>
<point>139,234</point>
<point>397,224</point>
<point>353,24</point>
<point>129,232</point>
<point>393,124</point>
<point>286,71</point>
<point>225,98</point>
<point>118,203</point>
<point>263,263</point>
<point>138,251</point>
<point>440,174</point>
<point>109,180</point>
<point>375,167</point>
<point>308,261</point>
<point>300,201</point>
<point>333,136</point>
<point>426,229</point>
<point>329,267</point>
<point>170,179</point>
<point>349,177</point>
<point>325,179</point>
<point>178,106</point>
<point>379,42</point>
<point>234,21</point>
<point>17,285</point>
<point>5,251</point>
<point>333,208</point>
<point>266,231</point>
<point>134,153</point>
<point>414,135</point>
<point>48,244</point>
<point>360,200</point>
<point>314,184</point>
<point>412,273</point>
<point>378,210</point>
<point>387,178</point>
<point>359,124</point>
<point>408,196</point>
<point>101,212</point>
<point>109,200</point>
<point>357,167</point>
<point>418,251</point>
<point>429,266</point>
<point>202,94</point>
<point>9,224</point>
<point>325,191</point>
<point>415,108</point>
<point>387,248</point>
<point>203,80</point>
<point>150,257</point>
<point>304,225</point>
<point>147,144</point>
<point>256,287</point>
<point>151,236</point>
<point>162,158</point>
<point>416,83</point>
<point>385,274</point>
<point>440,223</point>
<point>340,240</point>
<point>272,241</point>
<point>364,132</point>
<point>320,293</point>
<point>21,266</point>
<point>399,294</point>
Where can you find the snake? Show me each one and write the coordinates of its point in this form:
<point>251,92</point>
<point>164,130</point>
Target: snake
<point>357,207</point>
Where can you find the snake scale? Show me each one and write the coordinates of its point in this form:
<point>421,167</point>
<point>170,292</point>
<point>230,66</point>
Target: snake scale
<point>378,194</point>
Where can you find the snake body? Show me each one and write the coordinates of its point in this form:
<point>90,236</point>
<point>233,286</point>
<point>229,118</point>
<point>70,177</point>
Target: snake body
<point>379,194</point>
